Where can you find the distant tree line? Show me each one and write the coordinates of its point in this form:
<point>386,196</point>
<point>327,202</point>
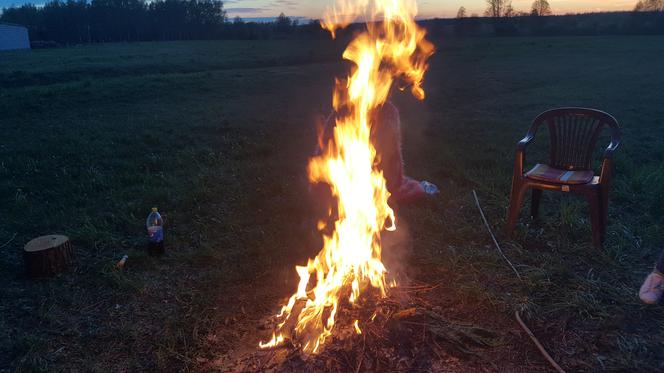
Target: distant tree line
<point>89,21</point>
<point>82,21</point>
<point>504,8</point>
<point>503,20</point>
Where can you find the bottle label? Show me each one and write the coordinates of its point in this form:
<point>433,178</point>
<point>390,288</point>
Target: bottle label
<point>156,233</point>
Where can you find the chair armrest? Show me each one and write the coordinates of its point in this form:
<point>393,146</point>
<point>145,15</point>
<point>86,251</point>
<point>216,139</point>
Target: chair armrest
<point>605,174</point>
<point>521,145</point>
<point>616,138</point>
<point>520,156</point>
<point>608,153</point>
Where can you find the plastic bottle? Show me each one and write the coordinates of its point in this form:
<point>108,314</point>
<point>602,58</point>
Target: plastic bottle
<point>155,226</point>
<point>122,262</point>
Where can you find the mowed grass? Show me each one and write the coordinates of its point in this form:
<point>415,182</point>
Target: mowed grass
<point>217,134</point>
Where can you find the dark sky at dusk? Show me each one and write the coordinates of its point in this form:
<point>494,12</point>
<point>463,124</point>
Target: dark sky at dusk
<point>427,8</point>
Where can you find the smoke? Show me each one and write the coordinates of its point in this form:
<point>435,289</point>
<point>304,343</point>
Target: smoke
<point>397,248</point>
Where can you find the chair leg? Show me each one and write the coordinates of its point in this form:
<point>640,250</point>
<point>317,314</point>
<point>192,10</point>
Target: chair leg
<point>595,217</point>
<point>604,209</point>
<point>516,200</point>
<point>535,203</point>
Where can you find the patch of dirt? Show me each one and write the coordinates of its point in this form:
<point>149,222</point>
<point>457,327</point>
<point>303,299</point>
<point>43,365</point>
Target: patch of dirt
<point>419,327</point>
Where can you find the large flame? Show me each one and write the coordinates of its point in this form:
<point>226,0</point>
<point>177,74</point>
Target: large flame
<point>391,48</point>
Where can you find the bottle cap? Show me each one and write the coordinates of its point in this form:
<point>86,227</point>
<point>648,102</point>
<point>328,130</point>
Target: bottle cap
<point>154,209</point>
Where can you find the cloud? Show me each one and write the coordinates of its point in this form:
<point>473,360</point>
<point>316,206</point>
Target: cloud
<point>245,10</point>
<point>286,3</point>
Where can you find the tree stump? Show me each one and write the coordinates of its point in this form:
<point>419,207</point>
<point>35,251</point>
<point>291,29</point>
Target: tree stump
<point>47,255</point>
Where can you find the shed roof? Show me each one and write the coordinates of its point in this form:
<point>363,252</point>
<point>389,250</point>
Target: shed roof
<point>11,24</point>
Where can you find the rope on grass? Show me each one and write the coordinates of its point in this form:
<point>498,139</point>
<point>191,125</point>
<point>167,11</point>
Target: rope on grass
<point>8,242</point>
<point>493,237</point>
<point>538,344</point>
<point>518,317</point>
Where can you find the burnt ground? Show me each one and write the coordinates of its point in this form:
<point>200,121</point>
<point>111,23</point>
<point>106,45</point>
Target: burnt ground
<point>419,327</point>
<point>423,331</point>
<point>217,135</point>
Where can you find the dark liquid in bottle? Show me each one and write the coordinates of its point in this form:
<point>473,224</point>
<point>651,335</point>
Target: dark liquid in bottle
<point>156,248</point>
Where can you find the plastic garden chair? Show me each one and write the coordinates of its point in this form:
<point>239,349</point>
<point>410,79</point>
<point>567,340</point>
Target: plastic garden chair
<point>573,135</point>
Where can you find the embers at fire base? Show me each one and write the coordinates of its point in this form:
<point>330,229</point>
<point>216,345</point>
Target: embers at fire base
<point>403,332</point>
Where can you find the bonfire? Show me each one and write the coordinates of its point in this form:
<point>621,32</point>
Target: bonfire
<point>391,50</point>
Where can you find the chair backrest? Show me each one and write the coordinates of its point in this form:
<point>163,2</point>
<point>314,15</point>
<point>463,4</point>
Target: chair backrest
<point>573,134</point>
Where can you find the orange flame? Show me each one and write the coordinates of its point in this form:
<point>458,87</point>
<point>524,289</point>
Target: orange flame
<point>356,325</point>
<point>392,48</point>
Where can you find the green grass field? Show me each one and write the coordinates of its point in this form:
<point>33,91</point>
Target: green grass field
<point>217,135</point>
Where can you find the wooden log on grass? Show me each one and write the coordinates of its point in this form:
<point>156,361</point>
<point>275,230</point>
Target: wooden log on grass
<point>47,255</point>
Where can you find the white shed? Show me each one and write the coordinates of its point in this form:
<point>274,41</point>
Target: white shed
<point>13,37</point>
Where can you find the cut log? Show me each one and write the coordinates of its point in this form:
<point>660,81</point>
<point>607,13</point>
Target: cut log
<point>47,255</point>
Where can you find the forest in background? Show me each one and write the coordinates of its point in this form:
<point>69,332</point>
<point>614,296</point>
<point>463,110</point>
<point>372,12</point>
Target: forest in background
<point>71,22</point>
